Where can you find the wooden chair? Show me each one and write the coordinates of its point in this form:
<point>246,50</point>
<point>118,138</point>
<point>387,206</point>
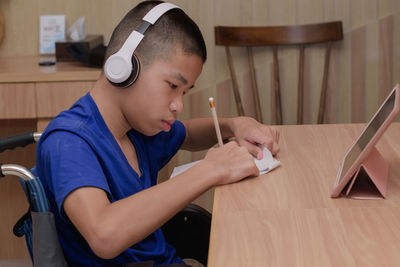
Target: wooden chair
<point>275,36</point>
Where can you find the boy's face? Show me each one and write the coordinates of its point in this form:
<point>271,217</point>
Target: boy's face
<point>154,100</point>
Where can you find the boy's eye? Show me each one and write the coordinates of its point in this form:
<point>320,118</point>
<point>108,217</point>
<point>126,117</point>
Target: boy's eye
<point>173,86</point>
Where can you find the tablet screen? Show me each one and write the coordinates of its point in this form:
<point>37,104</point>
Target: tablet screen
<point>368,133</point>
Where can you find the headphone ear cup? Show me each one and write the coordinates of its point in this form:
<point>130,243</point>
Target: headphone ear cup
<point>134,73</point>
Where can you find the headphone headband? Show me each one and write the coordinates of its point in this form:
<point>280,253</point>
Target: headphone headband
<point>118,67</point>
<point>156,12</point>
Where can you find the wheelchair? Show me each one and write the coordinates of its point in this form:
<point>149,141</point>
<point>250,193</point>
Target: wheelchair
<point>188,231</point>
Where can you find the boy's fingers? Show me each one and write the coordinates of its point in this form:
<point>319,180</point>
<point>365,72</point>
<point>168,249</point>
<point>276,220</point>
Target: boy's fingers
<point>253,149</point>
<point>274,146</point>
<point>267,137</point>
<point>275,134</point>
<point>275,149</point>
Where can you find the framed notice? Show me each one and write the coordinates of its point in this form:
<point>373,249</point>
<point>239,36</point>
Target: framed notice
<point>52,29</point>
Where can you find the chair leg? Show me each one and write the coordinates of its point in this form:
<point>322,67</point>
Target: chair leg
<point>277,88</point>
<point>300,87</point>
<point>322,100</point>
<point>256,98</point>
<point>238,101</point>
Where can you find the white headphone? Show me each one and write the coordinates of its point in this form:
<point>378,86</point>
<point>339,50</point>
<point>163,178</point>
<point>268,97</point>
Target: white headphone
<point>122,68</point>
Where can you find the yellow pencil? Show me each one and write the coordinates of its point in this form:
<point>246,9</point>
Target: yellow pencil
<point>215,118</point>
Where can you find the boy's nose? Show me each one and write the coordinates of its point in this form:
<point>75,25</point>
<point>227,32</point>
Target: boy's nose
<point>177,105</point>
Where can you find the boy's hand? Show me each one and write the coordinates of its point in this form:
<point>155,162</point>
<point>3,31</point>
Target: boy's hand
<point>248,133</point>
<point>230,163</point>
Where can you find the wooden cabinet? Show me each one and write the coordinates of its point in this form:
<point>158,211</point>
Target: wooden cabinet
<point>28,90</point>
<point>53,97</point>
<point>17,101</point>
<point>29,97</point>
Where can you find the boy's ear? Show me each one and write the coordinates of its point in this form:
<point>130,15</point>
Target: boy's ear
<point>133,66</point>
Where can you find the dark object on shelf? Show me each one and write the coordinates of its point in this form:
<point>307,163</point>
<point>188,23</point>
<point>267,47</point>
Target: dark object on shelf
<point>90,42</point>
<point>92,58</point>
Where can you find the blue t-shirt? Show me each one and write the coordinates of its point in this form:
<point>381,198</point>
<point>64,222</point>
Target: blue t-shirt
<point>77,149</point>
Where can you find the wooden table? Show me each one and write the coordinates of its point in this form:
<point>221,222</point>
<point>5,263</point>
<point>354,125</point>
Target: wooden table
<point>287,218</point>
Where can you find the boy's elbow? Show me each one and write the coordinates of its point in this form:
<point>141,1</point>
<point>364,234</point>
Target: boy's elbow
<point>103,243</point>
<point>103,251</point>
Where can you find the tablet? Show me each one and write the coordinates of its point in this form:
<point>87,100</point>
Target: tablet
<point>367,140</point>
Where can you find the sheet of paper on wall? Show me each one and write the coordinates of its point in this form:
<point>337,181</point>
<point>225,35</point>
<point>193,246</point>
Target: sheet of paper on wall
<point>52,29</point>
<point>265,165</point>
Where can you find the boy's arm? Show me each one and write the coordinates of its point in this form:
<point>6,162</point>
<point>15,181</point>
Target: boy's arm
<point>200,134</point>
<point>110,228</point>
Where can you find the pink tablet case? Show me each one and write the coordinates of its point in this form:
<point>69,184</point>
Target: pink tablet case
<point>365,165</point>
<point>370,180</point>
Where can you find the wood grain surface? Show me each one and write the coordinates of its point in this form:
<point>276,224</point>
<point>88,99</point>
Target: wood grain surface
<point>287,218</point>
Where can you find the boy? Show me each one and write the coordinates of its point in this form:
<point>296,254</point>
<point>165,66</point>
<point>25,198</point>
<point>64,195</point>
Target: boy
<point>99,160</point>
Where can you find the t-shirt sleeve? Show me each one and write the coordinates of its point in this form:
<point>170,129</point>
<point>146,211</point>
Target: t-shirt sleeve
<point>67,162</point>
<point>163,146</point>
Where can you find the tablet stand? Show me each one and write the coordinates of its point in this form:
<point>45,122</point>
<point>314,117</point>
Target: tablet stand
<point>370,180</point>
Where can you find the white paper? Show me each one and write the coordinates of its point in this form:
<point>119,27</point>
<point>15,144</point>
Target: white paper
<point>52,29</point>
<point>267,163</point>
<point>264,165</point>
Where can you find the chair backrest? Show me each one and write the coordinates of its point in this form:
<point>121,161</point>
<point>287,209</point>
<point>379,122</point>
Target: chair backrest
<point>275,36</point>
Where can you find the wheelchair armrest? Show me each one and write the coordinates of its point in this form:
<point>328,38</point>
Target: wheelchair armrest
<point>19,140</point>
<point>189,232</point>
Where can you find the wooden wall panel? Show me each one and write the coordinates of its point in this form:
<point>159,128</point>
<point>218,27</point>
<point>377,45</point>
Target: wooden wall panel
<point>363,12</point>
<point>308,103</point>
<point>303,14</point>
<point>338,10</point>
<point>281,12</point>
<point>339,85</point>
<point>344,78</point>
<point>264,90</point>
<point>260,9</point>
<point>201,14</point>
<point>223,95</point>
<point>358,75</point>
<point>288,68</point>
<point>247,95</point>
<point>386,7</point>
<point>371,70</point>
<point>199,108</point>
<point>332,103</point>
<point>272,102</point>
<point>385,59</point>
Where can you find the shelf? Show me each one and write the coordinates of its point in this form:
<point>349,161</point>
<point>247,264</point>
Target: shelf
<point>26,69</point>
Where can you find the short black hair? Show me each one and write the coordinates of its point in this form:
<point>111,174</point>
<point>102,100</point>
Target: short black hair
<point>172,30</point>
